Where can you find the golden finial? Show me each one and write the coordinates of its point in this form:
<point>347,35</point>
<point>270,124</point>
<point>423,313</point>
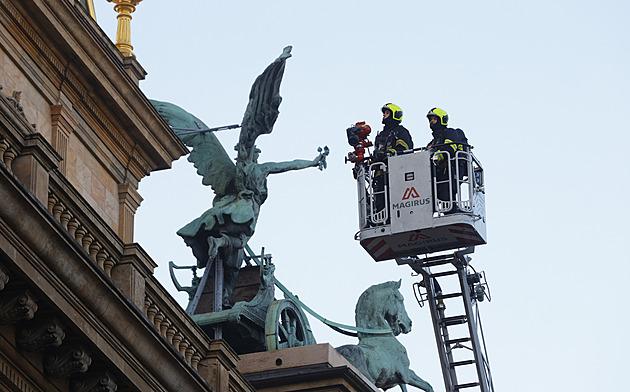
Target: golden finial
<point>123,33</point>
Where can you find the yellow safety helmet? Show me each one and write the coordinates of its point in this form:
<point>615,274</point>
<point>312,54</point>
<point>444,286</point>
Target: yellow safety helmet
<point>396,111</point>
<point>439,113</point>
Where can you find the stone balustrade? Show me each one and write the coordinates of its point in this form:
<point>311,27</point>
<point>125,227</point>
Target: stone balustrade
<point>98,248</point>
<point>168,321</point>
<point>7,152</point>
<point>109,253</point>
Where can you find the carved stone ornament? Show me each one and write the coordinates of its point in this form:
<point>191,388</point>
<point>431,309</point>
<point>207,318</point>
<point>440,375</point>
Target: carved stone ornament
<point>40,336</point>
<point>15,99</point>
<point>67,361</point>
<point>99,383</point>
<point>15,307</point>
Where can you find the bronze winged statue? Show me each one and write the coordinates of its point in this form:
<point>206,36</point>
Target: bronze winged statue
<point>240,189</point>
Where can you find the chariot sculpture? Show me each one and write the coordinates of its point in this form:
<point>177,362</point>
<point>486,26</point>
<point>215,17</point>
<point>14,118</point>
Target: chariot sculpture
<point>219,237</point>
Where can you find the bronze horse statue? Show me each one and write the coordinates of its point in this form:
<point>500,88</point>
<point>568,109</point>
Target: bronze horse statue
<point>382,358</point>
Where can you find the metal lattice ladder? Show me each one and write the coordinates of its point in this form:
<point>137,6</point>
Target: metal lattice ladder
<point>455,316</point>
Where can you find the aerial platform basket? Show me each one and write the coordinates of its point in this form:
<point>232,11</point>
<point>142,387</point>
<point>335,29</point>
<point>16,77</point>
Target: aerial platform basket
<point>400,216</point>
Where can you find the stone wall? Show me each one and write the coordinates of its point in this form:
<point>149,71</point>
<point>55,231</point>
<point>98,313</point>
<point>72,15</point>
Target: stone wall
<point>80,308</point>
<point>81,165</point>
<point>84,100</point>
<point>35,106</point>
<point>94,183</point>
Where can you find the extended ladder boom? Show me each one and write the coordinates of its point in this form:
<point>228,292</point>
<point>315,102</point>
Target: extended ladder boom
<point>458,334</point>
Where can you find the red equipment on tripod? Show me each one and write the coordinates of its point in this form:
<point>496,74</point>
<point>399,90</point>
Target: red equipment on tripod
<point>357,138</point>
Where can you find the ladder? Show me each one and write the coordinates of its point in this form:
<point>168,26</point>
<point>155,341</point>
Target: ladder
<point>455,316</point>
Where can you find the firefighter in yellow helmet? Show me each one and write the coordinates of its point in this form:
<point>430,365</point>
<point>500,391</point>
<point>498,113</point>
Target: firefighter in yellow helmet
<point>394,138</point>
<point>446,143</point>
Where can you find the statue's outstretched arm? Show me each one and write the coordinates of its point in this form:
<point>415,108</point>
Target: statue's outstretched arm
<point>297,164</point>
<point>281,167</point>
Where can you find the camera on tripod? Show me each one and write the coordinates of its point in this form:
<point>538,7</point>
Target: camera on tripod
<point>358,138</point>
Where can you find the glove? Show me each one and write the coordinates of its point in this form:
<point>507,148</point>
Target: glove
<point>436,159</point>
<point>379,155</point>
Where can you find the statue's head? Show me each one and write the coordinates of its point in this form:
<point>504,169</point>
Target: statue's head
<point>395,313</point>
<point>382,306</point>
<point>251,155</point>
<point>255,154</point>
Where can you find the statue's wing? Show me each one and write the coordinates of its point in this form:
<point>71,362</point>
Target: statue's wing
<point>262,109</point>
<point>177,117</point>
<point>207,155</point>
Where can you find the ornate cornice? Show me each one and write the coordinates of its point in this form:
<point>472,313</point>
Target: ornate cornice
<point>111,134</point>
<point>94,306</point>
<point>98,383</point>
<point>106,131</point>
<point>67,361</point>
<point>44,335</point>
<point>16,307</point>
<point>32,35</point>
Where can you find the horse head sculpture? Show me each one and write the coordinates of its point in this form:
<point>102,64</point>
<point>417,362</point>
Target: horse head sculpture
<point>382,307</point>
<point>381,357</point>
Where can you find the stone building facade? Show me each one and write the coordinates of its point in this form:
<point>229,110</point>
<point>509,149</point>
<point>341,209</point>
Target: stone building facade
<point>80,309</point>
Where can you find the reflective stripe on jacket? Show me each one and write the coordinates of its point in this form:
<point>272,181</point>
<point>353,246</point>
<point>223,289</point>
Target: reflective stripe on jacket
<point>393,140</point>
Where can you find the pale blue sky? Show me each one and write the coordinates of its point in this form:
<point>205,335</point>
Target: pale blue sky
<point>541,89</point>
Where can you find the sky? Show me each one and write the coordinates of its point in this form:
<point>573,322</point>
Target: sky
<point>541,89</point>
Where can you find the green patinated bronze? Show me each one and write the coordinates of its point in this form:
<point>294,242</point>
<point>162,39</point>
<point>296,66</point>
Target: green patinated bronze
<point>190,290</point>
<point>382,358</point>
<point>341,328</point>
<point>240,189</point>
<point>255,310</point>
<point>263,323</point>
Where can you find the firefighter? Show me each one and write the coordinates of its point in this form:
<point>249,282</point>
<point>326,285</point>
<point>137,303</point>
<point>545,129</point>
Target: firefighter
<point>446,143</point>
<point>392,140</point>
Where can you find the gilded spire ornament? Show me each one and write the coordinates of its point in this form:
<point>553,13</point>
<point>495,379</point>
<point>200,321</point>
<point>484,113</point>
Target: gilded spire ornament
<point>123,33</point>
